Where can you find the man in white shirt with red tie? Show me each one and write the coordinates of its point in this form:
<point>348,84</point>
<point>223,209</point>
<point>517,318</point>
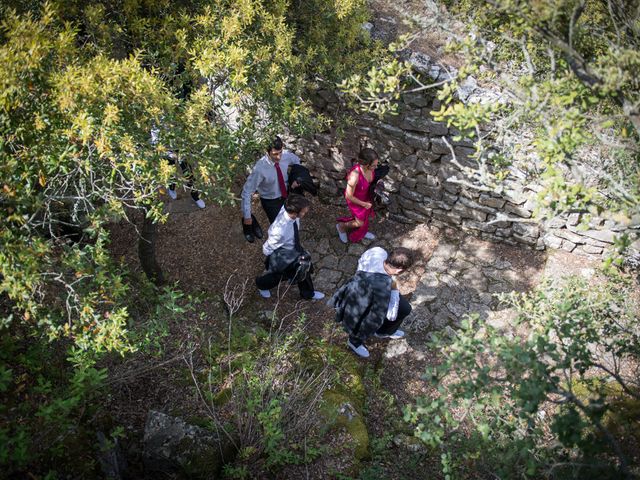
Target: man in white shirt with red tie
<point>269,178</point>
<point>285,257</point>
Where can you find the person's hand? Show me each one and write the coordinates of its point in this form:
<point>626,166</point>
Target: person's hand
<point>247,221</point>
<point>295,184</point>
<point>367,205</point>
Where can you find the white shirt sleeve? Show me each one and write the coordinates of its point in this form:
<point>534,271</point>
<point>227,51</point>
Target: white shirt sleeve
<point>277,234</point>
<point>394,304</point>
<point>250,186</point>
<point>274,241</point>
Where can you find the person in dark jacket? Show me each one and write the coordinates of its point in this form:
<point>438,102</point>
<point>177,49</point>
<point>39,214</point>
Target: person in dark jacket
<point>369,304</point>
<point>285,257</point>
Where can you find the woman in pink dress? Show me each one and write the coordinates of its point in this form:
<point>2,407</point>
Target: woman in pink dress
<point>358,196</point>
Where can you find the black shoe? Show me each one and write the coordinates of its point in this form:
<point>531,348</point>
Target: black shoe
<point>247,230</point>
<point>257,229</point>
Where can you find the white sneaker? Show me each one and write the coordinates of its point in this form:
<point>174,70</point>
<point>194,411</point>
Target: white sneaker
<point>317,296</point>
<point>369,236</point>
<point>172,193</point>
<point>393,336</point>
<point>200,203</point>
<point>265,293</point>
<point>342,235</point>
<point>361,351</point>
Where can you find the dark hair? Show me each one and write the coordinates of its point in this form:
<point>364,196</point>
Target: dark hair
<point>296,203</point>
<point>367,156</point>
<point>400,258</point>
<point>276,144</point>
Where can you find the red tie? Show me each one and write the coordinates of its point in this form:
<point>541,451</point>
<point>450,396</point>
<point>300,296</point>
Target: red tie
<point>283,187</point>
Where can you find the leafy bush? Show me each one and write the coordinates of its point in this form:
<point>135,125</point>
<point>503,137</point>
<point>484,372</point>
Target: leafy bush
<point>543,399</point>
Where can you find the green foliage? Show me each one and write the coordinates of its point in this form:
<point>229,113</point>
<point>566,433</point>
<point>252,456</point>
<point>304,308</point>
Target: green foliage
<point>274,390</point>
<point>531,402</point>
<point>50,392</point>
<point>568,112</point>
<point>82,86</point>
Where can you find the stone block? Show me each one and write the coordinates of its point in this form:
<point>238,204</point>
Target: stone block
<point>567,235</point>
<point>417,216</point>
<point>451,188</point>
<point>466,212</point>
<point>463,152</point>
<point>573,219</point>
<point>391,130</point>
<point>411,195</point>
<point>450,198</point>
<point>401,218</point>
<point>552,241</point>
<point>503,232</point>
<point>500,223</point>
<point>416,99</point>
<point>423,208</point>
<point>555,222</point>
<point>468,193</point>
<point>447,217</point>
<point>592,250</point>
<point>405,203</point>
<point>420,142</point>
<point>437,204</point>
<point>491,201</point>
<point>568,246</point>
<point>432,181</point>
<point>526,240</point>
<point>431,192</point>
<point>409,182</point>
<point>520,212</point>
<point>439,146</point>
<point>530,204</point>
<point>395,155</point>
<point>516,197</point>
<point>605,236</point>
<point>482,227</point>
<point>476,206</point>
<point>594,243</point>
<point>526,229</point>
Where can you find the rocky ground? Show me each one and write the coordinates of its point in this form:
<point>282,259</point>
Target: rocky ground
<point>455,274</point>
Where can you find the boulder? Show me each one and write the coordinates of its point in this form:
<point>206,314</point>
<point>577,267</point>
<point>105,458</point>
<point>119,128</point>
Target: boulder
<point>173,447</point>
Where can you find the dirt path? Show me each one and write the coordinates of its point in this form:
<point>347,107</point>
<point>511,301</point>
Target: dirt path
<point>454,274</point>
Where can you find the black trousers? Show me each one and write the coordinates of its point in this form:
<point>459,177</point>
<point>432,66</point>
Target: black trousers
<point>186,171</point>
<point>272,207</point>
<point>269,280</point>
<point>388,327</point>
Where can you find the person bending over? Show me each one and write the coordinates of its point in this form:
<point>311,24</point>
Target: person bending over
<point>369,304</point>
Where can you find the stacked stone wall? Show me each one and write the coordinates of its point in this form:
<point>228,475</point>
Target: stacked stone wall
<point>427,184</point>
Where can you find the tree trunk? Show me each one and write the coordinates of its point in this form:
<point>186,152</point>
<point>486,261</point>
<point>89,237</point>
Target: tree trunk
<point>147,251</point>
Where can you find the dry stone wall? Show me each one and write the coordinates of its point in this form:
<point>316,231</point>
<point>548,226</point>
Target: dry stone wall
<point>425,180</point>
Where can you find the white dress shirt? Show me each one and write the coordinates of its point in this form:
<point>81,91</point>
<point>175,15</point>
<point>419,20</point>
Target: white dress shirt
<point>264,179</point>
<point>280,233</point>
<point>372,261</point>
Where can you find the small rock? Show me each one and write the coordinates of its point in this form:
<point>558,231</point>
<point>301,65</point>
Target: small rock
<point>396,348</point>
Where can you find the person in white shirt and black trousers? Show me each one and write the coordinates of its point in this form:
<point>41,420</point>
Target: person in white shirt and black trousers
<point>285,257</point>
<point>269,178</point>
<point>370,304</point>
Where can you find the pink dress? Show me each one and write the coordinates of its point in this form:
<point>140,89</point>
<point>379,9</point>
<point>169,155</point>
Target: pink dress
<point>361,193</point>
